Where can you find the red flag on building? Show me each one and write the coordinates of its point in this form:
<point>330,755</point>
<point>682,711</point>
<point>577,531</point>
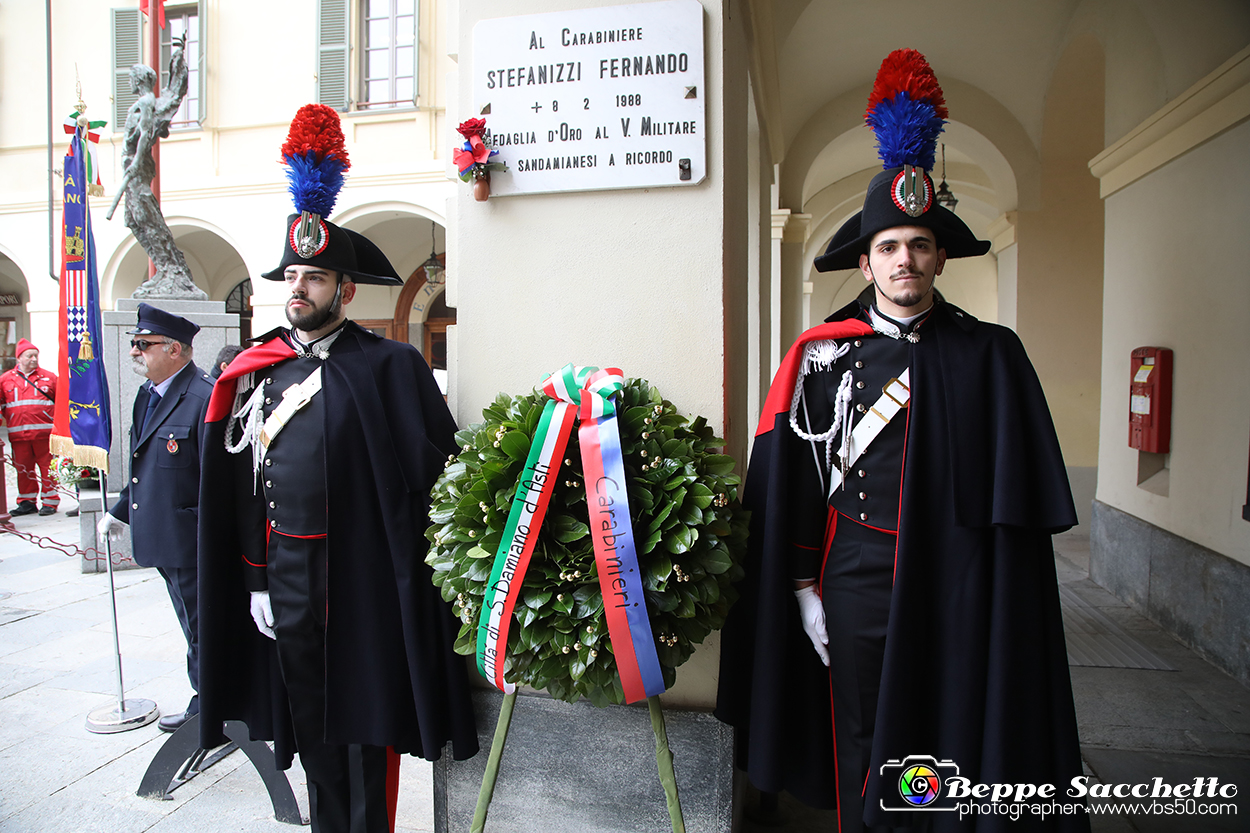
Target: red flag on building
<point>160,14</point>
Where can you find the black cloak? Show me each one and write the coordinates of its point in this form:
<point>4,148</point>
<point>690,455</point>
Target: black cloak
<point>975,667</point>
<point>392,678</point>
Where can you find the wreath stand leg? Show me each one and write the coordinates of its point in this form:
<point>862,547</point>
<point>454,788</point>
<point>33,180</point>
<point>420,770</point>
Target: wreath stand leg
<point>664,763</point>
<point>492,763</point>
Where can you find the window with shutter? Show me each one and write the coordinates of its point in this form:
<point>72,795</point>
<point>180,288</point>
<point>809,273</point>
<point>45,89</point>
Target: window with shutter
<point>127,51</point>
<point>332,54</point>
<point>179,21</point>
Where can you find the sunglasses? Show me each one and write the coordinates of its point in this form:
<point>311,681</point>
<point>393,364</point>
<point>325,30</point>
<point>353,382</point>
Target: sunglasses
<point>142,346</point>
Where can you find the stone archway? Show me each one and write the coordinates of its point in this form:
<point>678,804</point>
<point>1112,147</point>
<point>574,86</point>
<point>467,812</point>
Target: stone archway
<point>428,302</point>
<point>215,261</point>
<point>14,318</point>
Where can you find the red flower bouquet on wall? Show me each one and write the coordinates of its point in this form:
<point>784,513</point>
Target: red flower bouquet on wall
<point>473,161</point>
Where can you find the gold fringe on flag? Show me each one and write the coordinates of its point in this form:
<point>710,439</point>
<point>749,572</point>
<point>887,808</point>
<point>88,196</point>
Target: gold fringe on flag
<point>87,456</point>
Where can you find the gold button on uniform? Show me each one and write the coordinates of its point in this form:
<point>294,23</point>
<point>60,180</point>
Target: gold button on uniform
<point>863,516</point>
<point>859,364</point>
<point>273,505</point>
<point>863,496</point>
<point>859,343</point>
<point>860,407</point>
<point>859,385</point>
<point>134,480</point>
<point>134,506</point>
<point>862,473</point>
<point>268,484</point>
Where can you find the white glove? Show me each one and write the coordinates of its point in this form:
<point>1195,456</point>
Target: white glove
<point>110,526</point>
<point>812,612</point>
<point>262,613</point>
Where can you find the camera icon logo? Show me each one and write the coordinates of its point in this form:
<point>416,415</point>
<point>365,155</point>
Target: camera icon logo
<point>920,785</point>
<point>919,779</point>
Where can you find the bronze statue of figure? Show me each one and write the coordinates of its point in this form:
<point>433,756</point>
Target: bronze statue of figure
<point>147,121</point>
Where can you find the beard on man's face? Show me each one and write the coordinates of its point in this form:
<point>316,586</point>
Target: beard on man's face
<point>907,297</point>
<point>313,317</point>
<point>910,293</point>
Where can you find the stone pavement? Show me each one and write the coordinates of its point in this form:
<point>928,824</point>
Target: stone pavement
<point>56,666</point>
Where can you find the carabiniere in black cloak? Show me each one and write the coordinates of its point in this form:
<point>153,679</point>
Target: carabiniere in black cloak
<point>974,667</point>
<point>360,460</point>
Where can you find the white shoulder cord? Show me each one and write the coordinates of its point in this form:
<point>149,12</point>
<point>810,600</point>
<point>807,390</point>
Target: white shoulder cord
<point>249,417</point>
<point>822,355</point>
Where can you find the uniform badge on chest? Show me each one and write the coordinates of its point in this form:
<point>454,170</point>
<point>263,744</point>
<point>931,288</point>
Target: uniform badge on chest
<point>172,446</point>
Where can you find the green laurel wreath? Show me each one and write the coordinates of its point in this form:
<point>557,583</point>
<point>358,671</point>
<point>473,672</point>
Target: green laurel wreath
<point>689,528</point>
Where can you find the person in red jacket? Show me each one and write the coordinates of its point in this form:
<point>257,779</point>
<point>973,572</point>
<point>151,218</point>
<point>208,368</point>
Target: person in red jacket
<point>26,396</point>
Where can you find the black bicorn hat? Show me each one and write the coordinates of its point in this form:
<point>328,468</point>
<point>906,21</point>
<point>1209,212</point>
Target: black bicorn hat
<point>315,156</point>
<point>334,248</point>
<point>907,111</point>
<point>154,321</point>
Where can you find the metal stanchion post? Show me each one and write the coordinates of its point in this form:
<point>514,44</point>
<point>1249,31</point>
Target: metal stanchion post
<point>126,715</point>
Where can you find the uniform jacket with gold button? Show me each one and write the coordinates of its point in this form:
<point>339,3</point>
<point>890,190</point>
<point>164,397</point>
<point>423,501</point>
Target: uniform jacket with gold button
<point>392,677</point>
<point>161,497</point>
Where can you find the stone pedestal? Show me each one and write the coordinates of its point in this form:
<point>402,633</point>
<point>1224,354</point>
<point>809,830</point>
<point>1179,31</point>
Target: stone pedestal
<point>90,507</point>
<point>217,329</point>
<point>574,768</point>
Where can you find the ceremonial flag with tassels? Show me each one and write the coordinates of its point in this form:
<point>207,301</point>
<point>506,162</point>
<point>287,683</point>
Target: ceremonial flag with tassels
<point>82,427</point>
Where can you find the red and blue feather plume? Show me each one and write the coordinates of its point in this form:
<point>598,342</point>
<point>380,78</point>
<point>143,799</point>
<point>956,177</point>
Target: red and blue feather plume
<point>315,155</point>
<point>906,110</point>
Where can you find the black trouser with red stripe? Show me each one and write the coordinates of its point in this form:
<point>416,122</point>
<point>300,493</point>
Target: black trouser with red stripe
<point>351,788</point>
<point>856,583</point>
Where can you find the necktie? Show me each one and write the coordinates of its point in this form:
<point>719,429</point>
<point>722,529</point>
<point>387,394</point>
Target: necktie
<point>154,399</point>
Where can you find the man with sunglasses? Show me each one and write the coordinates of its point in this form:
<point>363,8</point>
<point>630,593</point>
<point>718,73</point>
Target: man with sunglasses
<point>161,499</point>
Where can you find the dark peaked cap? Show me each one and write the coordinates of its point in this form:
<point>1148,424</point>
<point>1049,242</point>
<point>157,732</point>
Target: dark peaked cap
<point>155,321</point>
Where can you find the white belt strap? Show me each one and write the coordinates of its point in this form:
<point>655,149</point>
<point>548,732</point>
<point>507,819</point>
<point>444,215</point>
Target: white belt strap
<point>293,399</point>
<point>894,398</point>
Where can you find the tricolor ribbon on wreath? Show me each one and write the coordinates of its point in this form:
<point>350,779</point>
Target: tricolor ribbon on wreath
<point>585,394</point>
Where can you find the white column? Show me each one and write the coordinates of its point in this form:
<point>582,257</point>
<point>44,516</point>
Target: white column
<point>1002,234</point>
<point>780,217</point>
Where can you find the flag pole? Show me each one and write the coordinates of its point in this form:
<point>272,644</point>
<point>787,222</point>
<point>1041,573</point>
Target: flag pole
<point>127,714</point>
<point>88,444</point>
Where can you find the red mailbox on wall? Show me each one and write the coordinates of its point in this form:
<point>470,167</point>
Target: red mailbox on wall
<point>1150,400</point>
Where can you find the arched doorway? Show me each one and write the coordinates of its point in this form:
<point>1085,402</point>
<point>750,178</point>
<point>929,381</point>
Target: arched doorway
<point>422,317</point>
<point>215,263</point>
<point>239,302</point>
<point>14,319</point>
